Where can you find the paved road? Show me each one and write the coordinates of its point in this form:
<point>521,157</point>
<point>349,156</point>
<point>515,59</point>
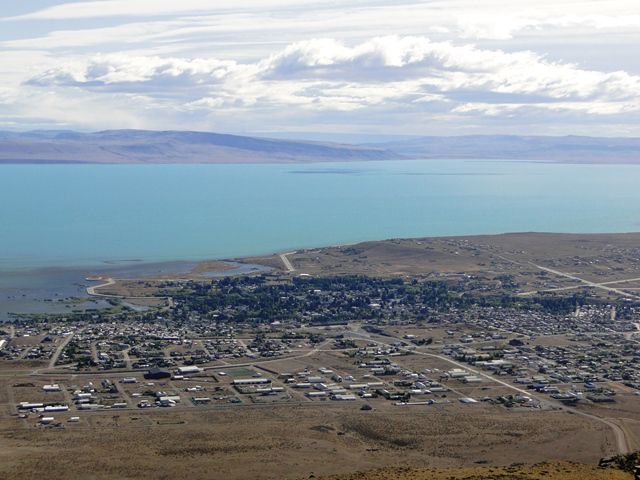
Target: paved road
<point>287,264</point>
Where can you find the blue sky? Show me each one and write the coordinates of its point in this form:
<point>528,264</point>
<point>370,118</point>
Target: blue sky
<point>405,67</point>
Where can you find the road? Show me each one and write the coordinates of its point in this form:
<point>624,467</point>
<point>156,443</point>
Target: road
<point>110,281</point>
<point>127,358</point>
<point>314,350</point>
<point>61,347</point>
<point>623,439</point>
<point>92,290</point>
<point>128,371</point>
<point>602,286</point>
<point>285,261</point>
<point>574,287</point>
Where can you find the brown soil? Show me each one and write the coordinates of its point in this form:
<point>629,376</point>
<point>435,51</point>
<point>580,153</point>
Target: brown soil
<point>543,471</point>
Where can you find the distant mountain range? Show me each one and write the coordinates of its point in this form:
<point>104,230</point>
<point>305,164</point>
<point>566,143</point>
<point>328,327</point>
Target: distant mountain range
<point>141,146</point>
<point>569,149</point>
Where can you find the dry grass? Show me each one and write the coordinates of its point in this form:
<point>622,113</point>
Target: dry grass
<point>240,443</point>
<point>449,255</point>
<point>542,471</point>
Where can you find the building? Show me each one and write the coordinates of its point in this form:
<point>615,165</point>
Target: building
<point>343,398</point>
<point>251,381</point>
<point>51,388</point>
<point>189,370</point>
<point>156,374</point>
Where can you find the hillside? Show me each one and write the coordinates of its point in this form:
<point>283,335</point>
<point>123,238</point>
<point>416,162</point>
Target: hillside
<point>140,146</point>
<point>143,146</point>
<point>542,471</point>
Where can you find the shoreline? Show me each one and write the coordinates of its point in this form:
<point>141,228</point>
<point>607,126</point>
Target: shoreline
<point>49,284</point>
<point>197,266</point>
<point>248,162</point>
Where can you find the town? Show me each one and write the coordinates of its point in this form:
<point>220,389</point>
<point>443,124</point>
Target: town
<point>490,349</point>
<point>264,339</point>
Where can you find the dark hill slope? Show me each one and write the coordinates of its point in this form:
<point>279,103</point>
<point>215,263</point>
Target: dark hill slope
<point>139,146</point>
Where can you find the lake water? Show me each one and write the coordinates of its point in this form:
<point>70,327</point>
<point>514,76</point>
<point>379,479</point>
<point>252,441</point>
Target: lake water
<point>59,223</point>
<point>85,215</point>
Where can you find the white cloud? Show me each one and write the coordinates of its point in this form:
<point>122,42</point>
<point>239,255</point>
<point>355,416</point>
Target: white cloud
<point>292,63</point>
<point>105,70</point>
<point>128,8</point>
<point>128,33</point>
<point>505,27</point>
<point>490,19</point>
<point>589,108</point>
<point>7,96</point>
<point>444,67</point>
<point>411,73</point>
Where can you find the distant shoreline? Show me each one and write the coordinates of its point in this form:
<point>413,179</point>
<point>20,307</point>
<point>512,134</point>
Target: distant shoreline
<point>249,162</point>
<point>391,257</point>
<point>286,263</point>
<point>188,147</point>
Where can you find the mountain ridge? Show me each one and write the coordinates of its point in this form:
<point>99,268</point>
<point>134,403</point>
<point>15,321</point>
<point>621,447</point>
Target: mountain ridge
<point>175,146</point>
<point>145,146</point>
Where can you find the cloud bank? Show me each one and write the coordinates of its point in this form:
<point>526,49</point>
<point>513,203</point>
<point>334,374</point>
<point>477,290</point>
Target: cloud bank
<point>327,74</point>
<point>565,66</point>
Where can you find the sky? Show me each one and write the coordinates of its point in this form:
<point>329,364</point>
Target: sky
<point>376,67</point>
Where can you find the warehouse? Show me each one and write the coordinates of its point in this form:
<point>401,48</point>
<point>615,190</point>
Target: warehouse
<point>251,381</point>
<point>51,388</point>
<point>189,370</point>
<point>343,398</point>
<point>56,408</point>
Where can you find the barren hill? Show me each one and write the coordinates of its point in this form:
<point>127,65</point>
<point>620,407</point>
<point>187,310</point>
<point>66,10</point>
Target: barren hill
<point>141,146</point>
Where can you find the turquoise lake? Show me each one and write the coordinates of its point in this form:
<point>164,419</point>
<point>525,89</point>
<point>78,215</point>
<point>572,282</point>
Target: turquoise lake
<point>85,215</point>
